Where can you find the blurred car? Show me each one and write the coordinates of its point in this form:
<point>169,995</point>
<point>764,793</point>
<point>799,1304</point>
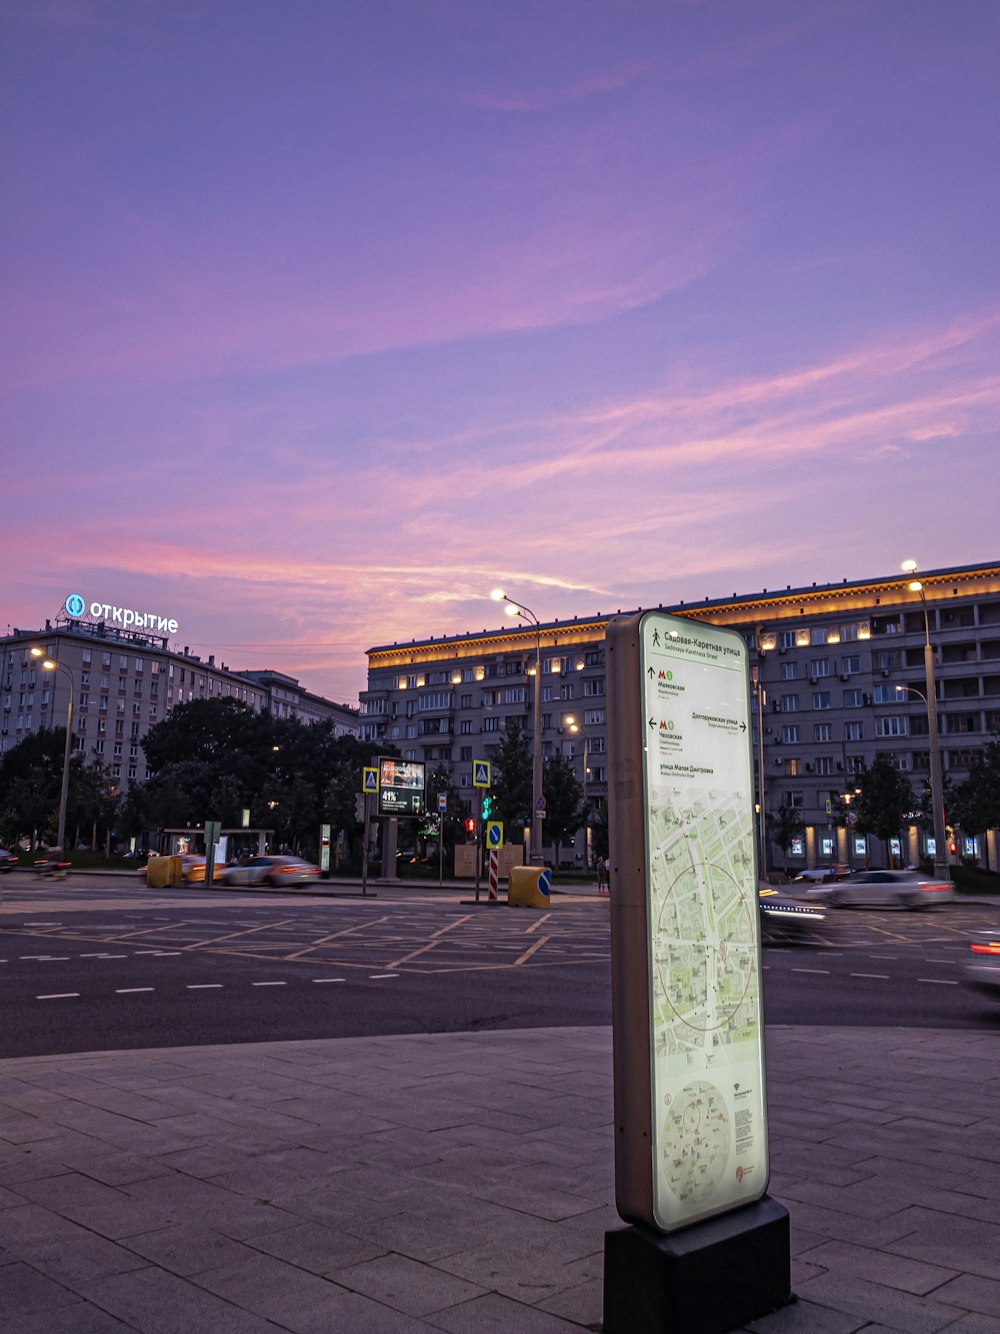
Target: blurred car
<point>821,873</point>
<point>275,871</point>
<point>783,916</point>
<point>982,967</point>
<point>904,889</point>
<point>8,861</point>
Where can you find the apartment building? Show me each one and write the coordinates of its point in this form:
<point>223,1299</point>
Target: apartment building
<point>125,680</point>
<point>841,676</point>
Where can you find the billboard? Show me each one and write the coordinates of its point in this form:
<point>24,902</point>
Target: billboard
<point>690,1106</point>
<point>401,787</point>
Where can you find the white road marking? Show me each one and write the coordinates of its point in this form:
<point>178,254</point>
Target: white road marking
<point>824,971</point>
<point>374,977</point>
<point>329,979</point>
<point>938,981</point>
<point>59,995</point>
<point>882,977</point>
<point>128,991</point>
<point>269,984</point>
<point>204,986</point>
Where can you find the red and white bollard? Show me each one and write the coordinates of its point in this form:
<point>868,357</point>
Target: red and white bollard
<point>494,874</point>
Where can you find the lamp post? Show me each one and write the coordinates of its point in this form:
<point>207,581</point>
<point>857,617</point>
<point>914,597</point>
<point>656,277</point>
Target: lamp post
<point>570,721</point>
<point>763,644</point>
<point>937,785</point>
<point>50,665</point>
<point>515,608</point>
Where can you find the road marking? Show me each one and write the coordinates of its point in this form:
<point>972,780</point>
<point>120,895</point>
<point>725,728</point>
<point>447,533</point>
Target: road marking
<point>128,991</point>
<point>529,952</point>
<point>329,979</point>
<point>888,958</point>
<point>939,981</point>
<point>269,984</point>
<point>882,977</point>
<point>946,961</point>
<point>59,995</point>
<point>204,986</point>
<point>374,977</point>
<point>824,971</point>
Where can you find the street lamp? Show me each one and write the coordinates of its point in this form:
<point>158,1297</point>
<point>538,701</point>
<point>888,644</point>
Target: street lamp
<point>570,721</point>
<point>763,644</point>
<point>50,665</point>
<point>515,608</point>
<point>937,785</point>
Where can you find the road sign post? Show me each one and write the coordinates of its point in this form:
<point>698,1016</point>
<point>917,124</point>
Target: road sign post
<point>369,784</point>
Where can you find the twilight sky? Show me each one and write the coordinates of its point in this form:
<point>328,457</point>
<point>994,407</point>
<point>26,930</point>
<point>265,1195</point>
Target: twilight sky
<point>325,317</point>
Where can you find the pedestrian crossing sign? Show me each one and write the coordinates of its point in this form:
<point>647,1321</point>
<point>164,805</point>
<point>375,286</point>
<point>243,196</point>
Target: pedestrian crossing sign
<point>480,773</point>
<point>370,783</point>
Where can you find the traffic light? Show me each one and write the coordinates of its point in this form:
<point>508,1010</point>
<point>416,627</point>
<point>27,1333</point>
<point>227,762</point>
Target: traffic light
<point>487,807</point>
<point>470,825</point>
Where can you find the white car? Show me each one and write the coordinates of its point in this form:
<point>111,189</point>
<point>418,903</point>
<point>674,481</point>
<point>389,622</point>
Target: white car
<point>820,873</point>
<point>275,871</point>
<point>904,889</point>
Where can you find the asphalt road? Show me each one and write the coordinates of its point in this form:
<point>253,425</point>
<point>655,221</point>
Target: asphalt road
<point>90,966</point>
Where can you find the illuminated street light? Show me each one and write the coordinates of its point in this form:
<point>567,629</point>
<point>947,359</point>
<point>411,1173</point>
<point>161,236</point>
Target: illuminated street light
<point>937,785</point>
<point>50,665</point>
<point>515,608</point>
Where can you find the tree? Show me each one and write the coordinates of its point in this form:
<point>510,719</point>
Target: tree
<point>512,780</point>
<point>452,822</point>
<point>563,803</point>
<point>974,805</point>
<point>30,778</point>
<point>884,799</point>
<point>786,824</point>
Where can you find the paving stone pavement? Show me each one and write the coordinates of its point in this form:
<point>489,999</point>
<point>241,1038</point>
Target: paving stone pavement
<point>464,1182</point>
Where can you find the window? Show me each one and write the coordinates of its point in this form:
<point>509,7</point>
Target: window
<point>822,699</point>
<point>566,691</point>
<point>853,699</point>
<point>789,671</point>
<point>789,703</point>
<point>786,639</point>
<point>893,726</point>
<point>824,764</point>
<point>887,694</point>
<point>819,667</point>
<point>855,764</point>
<point>593,718</point>
<point>594,687</point>
<point>793,768</point>
<point>466,702</point>
<point>888,662</point>
<point>465,753</point>
<point>491,723</point>
<point>850,666</point>
<point>465,728</point>
<point>411,731</point>
<point>790,736</point>
<point>823,732</point>
<point>854,731</point>
<point>796,799</point>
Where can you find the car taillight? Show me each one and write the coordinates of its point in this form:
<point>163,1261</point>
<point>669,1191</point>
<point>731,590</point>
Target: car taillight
<point>991,947</point>
<point>934,886</point>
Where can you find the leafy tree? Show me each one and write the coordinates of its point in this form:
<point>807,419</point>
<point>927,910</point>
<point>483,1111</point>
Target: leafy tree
<point>512,780</point>
<point>975,803</point>
<point>785,825</point>
<point>30,780</point>
<point>452,824</point>
<point>884,798</point>
<point>563,802</point>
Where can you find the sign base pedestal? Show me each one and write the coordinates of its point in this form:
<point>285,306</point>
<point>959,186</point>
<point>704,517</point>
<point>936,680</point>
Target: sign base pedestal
<point>709,1278</point>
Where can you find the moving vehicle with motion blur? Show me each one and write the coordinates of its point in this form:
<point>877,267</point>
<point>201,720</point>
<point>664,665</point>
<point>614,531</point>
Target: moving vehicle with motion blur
<point>784,917</point>
<point>8,861</point>
<point>884,889</point>
<point>818,874</point>
<point>982,964</point>
<point>278,872</point>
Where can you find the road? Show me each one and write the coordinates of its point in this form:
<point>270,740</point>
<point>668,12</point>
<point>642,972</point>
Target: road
<point>91,965</point>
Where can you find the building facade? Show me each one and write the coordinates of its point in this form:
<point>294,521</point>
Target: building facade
<point>123,682</point>
<point>841,679</point>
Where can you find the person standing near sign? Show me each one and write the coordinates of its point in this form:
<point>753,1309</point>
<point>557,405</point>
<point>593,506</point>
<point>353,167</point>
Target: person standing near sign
<point>601,874</point>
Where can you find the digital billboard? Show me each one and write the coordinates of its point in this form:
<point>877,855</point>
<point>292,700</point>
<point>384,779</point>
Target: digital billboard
<point>401,787</point>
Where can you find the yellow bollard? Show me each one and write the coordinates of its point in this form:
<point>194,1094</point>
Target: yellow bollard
<point>529,887</point>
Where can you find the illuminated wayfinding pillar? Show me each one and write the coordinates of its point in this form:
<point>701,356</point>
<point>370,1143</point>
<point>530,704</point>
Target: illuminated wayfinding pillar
<point>707,1251</point>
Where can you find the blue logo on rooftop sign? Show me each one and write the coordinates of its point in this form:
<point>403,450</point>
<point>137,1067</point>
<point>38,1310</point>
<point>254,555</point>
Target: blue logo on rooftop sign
<point>75,606</point>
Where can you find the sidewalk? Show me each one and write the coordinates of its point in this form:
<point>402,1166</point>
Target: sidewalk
<point>464,1182</point>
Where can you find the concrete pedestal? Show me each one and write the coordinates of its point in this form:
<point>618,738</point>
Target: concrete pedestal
<point>710,1278</point>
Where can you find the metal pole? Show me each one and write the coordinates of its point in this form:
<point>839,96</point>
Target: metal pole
<point>364,850</point>
<point>64,789</point>
<point>937,784</point>
<point>537,818</point>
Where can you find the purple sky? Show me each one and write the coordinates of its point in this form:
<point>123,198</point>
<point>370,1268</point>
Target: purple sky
<point>325,317</point>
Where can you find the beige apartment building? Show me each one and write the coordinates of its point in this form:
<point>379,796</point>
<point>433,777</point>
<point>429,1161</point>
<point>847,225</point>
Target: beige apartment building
<point>841,679</point>
<point>124,681</point>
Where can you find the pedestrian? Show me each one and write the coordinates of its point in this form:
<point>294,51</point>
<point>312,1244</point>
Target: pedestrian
<point>601,874</point>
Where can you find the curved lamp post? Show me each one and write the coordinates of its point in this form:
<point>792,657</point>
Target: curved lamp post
<point>515,608</point>
<point>50,665</point>
<point>937,786</point>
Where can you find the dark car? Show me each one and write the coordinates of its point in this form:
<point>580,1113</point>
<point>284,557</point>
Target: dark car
<point>785,917</point>
<point>8,860</point>
<point>982,963</point>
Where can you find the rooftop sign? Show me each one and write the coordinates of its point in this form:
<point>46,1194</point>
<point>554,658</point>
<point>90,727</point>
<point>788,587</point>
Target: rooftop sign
<point>76,608</point>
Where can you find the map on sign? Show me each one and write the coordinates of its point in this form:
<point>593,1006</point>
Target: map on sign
<point>709,1127</point>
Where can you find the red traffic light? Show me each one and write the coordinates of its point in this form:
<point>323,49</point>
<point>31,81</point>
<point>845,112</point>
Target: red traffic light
<point>470,825</point>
